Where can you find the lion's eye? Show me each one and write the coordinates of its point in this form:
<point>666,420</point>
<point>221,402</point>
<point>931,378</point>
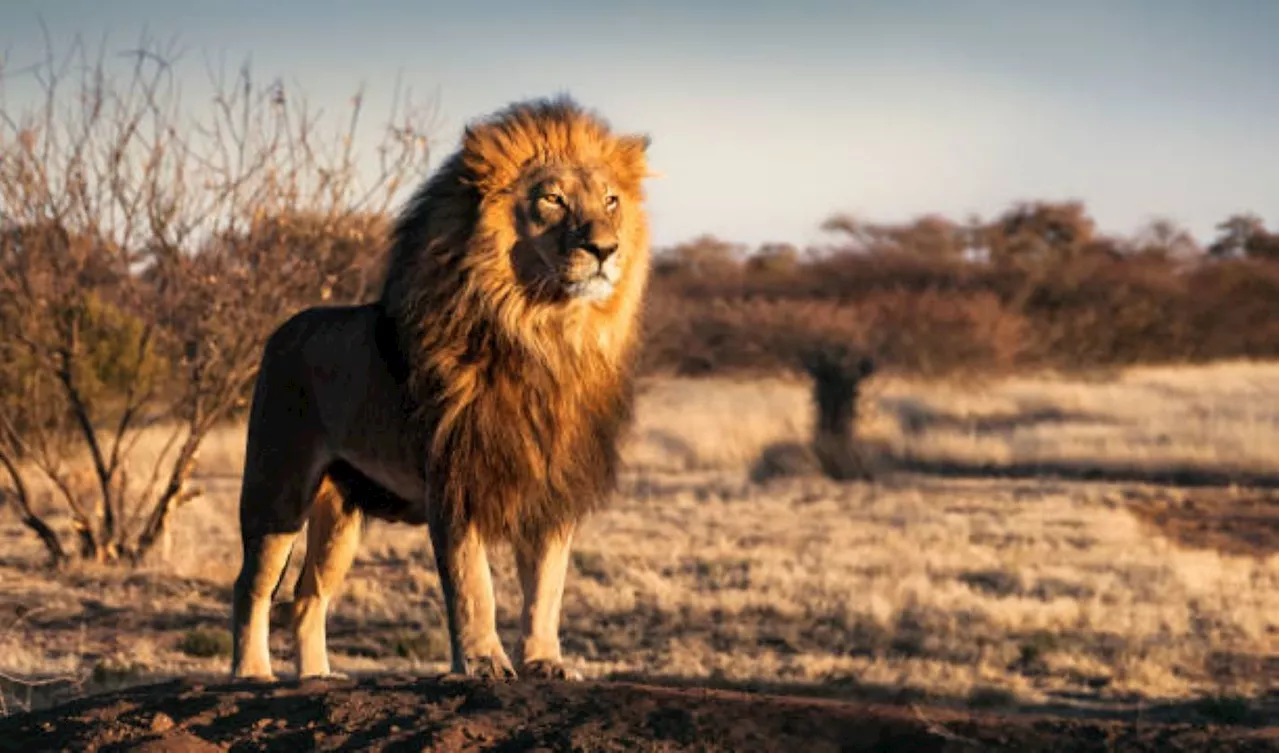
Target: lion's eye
<point>611,202</point>
<point>552,199</point>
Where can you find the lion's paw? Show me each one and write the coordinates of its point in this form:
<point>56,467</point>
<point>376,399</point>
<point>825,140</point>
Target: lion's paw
<point>548,669</point>
<point>325,676</point>
<point>254,677</point>
<point>490,667</point>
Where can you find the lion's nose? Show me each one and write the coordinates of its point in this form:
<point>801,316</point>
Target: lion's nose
<point>600,250</point>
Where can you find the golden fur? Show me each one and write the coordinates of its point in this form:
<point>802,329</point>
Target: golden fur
<point>483,394</point>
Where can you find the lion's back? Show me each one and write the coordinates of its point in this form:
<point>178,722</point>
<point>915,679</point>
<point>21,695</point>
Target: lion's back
<point>334,372</point>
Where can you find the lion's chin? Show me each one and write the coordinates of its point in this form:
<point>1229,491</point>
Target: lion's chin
<point>593,289</point>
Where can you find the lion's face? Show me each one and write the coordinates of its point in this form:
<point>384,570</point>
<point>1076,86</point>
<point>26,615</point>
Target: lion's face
<point>569,222</point>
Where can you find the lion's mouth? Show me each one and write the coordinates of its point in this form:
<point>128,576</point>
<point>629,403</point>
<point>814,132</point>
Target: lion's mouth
<point>597,287</point>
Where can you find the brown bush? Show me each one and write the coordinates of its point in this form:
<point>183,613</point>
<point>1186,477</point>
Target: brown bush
<point>929,315</point>
<point>1231,310</point>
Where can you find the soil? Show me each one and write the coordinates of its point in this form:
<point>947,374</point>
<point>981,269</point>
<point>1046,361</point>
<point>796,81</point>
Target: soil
<point>447,713</point>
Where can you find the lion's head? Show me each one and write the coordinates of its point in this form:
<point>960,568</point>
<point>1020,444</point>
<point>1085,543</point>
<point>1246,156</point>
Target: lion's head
<point>538,218</point>
<point>514,285</point>
<point>569,222</point>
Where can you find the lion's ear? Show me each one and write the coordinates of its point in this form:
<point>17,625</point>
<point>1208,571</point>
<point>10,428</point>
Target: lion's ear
<point>630,159</point>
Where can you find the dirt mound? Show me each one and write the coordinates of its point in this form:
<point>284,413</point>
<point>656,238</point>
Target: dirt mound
<point>414,713</point>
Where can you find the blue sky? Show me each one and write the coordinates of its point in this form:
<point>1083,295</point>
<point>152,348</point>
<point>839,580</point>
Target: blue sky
<point>768,117</point>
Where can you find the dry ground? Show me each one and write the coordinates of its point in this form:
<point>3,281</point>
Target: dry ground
<point>400,713</point>
<point>1013,552</point>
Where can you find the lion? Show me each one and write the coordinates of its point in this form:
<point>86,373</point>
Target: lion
<point>483,394</point>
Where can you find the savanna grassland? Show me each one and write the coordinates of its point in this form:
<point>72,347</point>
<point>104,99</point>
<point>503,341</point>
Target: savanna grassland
<point>1096,546</point>
<point>1045,525</point>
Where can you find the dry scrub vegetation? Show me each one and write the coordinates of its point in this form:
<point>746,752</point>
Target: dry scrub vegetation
<point>977,590</point>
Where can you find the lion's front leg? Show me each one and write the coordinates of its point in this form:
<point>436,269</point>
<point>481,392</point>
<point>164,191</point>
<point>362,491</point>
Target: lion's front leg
<point>543,564</point>
<point>468,596</point>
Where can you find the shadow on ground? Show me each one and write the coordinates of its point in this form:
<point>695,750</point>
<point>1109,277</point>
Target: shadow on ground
<point>395,713</point>
<point>1184,476</point>
<point>1234,711</point>
<point>915,418</point>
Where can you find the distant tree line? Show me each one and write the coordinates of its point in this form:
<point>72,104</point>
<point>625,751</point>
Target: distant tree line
<point>1038,286</point>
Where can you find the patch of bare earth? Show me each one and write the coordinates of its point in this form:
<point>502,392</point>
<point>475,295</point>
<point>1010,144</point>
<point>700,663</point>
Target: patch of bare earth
<point>406,713</point>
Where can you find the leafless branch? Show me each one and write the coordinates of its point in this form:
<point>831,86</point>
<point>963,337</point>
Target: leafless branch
<point>150,251</point>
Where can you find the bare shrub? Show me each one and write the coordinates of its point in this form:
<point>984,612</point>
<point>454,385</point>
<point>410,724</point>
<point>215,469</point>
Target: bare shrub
<point>146,250</point>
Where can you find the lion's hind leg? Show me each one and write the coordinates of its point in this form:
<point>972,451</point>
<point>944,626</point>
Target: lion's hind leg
<point>283,465</point>
<point>333,535</point>
<point>272,511</point>
<point>265,559</point>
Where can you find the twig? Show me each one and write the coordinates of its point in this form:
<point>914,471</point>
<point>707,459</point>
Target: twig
<point>30,685</point>
<point>934,728</point>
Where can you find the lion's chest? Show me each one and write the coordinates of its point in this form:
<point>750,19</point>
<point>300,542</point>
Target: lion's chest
<point>532,432</point>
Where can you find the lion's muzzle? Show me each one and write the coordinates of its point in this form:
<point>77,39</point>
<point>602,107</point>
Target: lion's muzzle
<point>597,287</point>
<point>602,250</point>
<point>594,263</point>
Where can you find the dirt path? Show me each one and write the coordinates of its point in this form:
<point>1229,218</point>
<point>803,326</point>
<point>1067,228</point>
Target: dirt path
<point>408,713</point>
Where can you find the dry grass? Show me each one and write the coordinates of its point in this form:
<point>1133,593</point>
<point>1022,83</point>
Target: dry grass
<point>980,590</point>
<point>1216,417</point>
<point>1220,417</point>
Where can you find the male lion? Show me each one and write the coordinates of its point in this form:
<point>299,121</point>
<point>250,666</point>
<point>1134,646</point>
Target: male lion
<point>483,394</point>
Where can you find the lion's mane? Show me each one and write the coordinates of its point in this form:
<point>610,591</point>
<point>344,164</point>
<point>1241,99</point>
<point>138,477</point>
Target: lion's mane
<point>523,399</point>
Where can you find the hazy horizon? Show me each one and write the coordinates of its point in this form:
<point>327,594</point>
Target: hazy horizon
<point>766,120</point>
